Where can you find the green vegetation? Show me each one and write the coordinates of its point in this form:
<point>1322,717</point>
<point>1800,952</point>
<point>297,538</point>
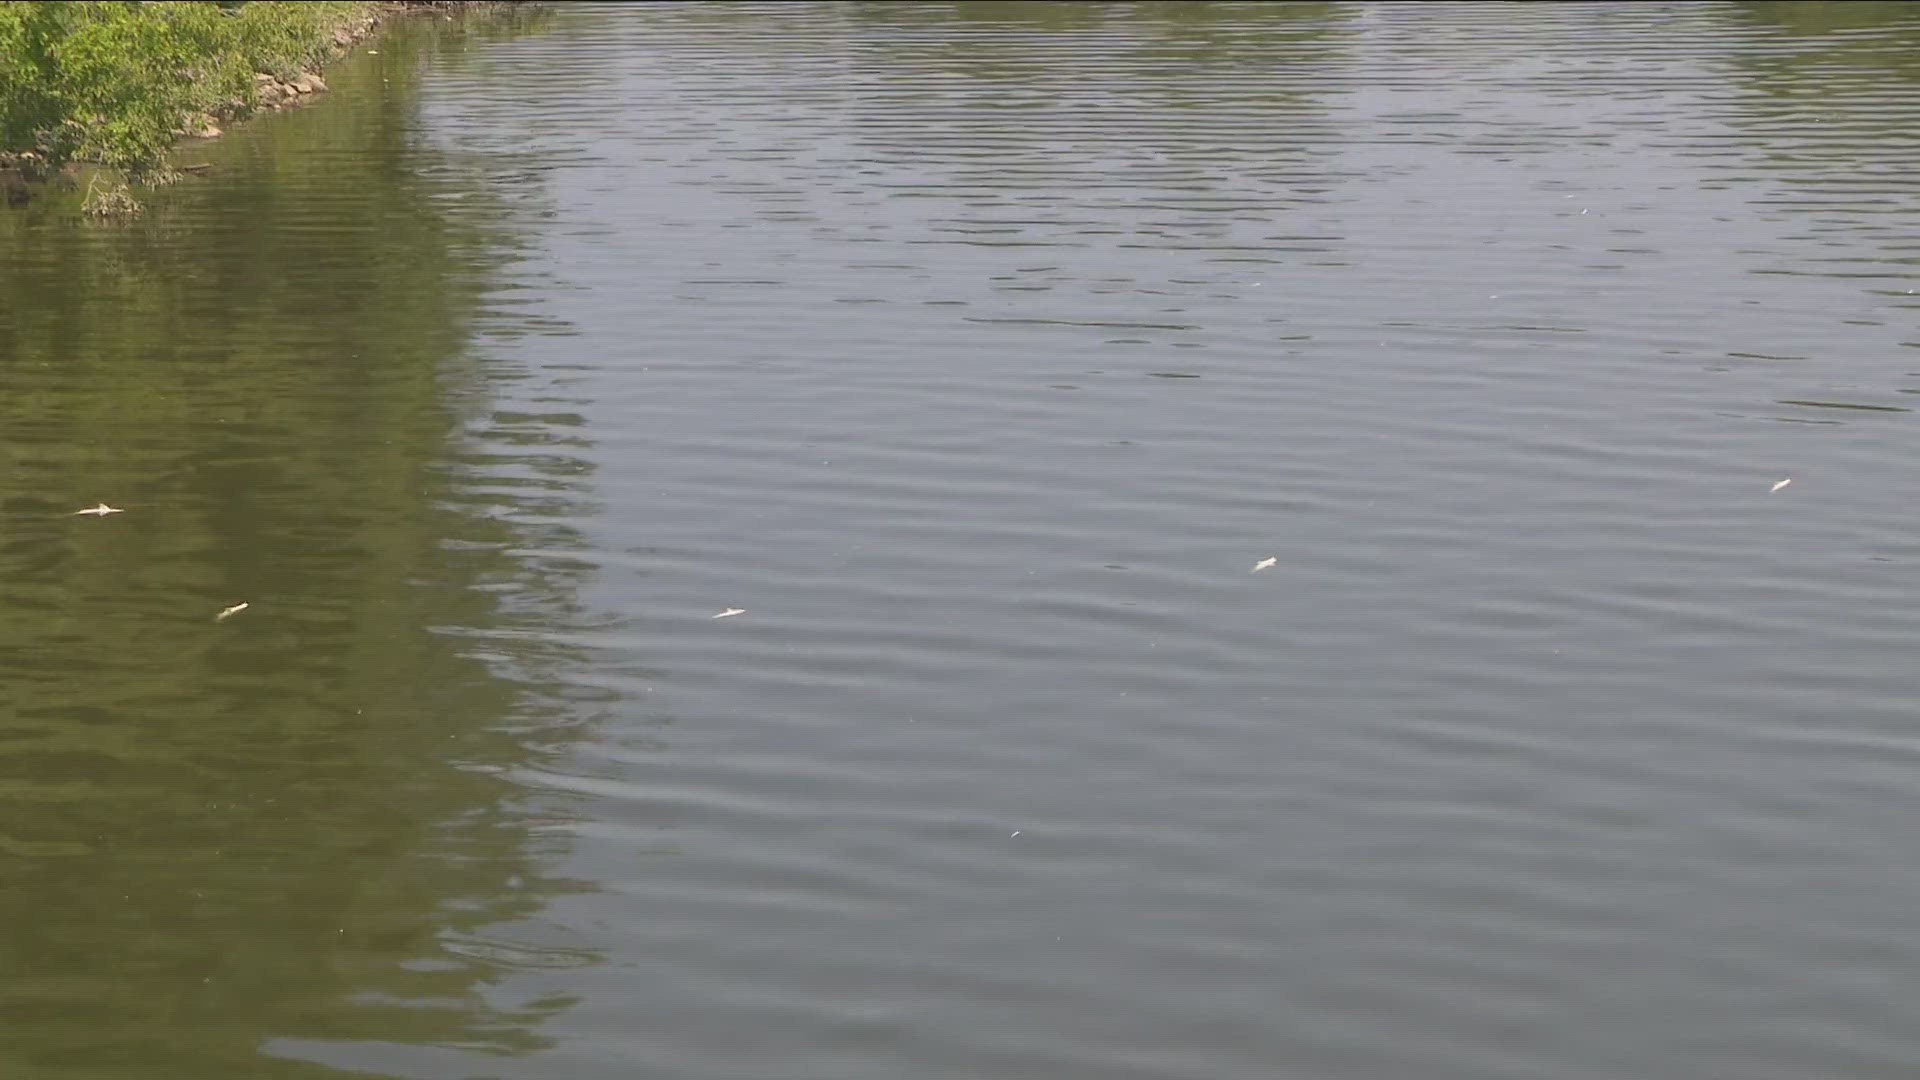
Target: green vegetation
<point>113,83</point>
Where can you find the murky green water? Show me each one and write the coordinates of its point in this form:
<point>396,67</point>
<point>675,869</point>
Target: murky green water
<point>978,352</point>
<point>219,835</point>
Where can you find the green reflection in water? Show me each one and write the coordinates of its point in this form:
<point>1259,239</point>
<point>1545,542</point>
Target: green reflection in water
<point>1837,50</point>
<point>1807,17</point>
<point>292,826</point>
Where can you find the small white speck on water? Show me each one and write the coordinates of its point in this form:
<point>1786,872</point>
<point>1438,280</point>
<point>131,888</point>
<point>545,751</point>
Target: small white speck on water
<point>1780,484</point>
<point>1264,564</point>
<point>1016,832</point>
<point>730,613</point>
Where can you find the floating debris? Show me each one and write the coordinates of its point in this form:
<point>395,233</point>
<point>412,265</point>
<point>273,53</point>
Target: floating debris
<point>102,510</point>
<point>1781,484</point>
<point>228,613</point>
<point>1016,832</point>
<point>730,612</point>
<point>1263,564</point>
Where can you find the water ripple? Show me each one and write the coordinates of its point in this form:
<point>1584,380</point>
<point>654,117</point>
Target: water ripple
<point>1553,745</point>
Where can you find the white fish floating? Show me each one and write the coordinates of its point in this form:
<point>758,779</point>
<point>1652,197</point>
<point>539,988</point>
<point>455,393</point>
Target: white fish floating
<point>101,510</point>
<point>1780,484</point>
<point>1263,564</point>
<point>228,613</point>
<point>731,612</point>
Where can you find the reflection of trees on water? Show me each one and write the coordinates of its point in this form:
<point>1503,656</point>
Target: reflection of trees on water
<point>1216,31</point>
<point>1803,18</point>
<point>1159,54</point>
<point>1165,55</point>
<point>1205,111</point>
<point>294,826</point>
<point>1827,128</point>
<point>1831,55</point>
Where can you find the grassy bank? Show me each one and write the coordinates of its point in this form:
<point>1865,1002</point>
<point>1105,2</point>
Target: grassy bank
<point>115,83</point>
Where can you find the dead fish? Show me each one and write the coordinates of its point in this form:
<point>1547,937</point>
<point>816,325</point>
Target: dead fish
<point>1781,484</point>
<point>1263,564</point>
<point>730,612</point>
<point>228,613</point>
<point>102,510</point>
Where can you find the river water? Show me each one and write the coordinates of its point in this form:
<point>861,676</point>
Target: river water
<point>979,352</point>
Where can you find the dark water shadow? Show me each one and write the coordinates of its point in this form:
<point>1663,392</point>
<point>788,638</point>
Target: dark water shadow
<point>224,843</point>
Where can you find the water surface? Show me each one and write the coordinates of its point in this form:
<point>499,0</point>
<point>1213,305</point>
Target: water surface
<point>978,352</point>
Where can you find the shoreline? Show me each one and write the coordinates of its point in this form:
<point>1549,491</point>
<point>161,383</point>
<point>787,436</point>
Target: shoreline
<point>299,81</point>
<point>275,94</point>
